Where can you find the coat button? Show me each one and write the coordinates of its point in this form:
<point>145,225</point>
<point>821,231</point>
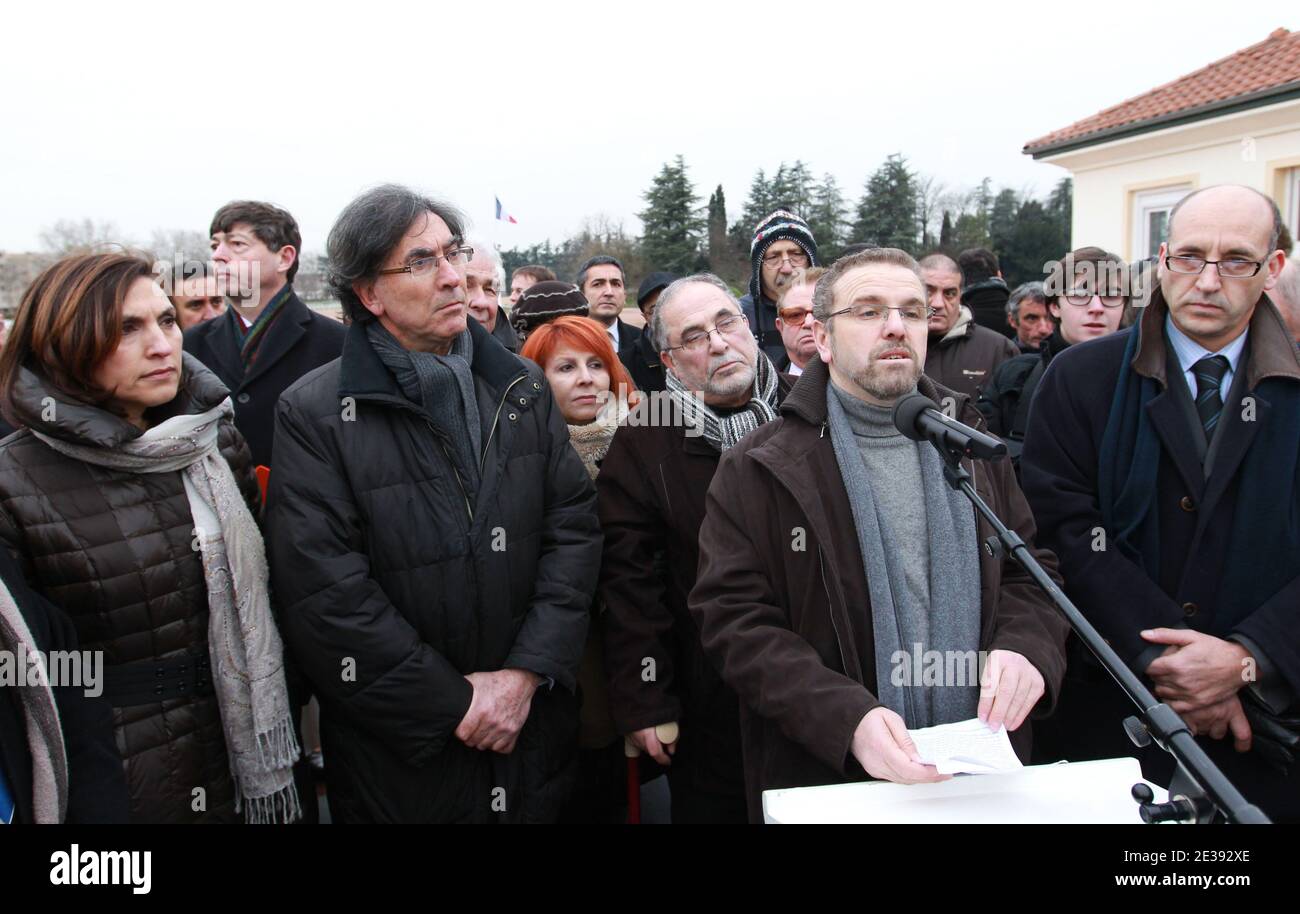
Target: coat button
<point>513,417</point>
<point>1186,503</point>
<point>523,402</point>
<point>1189,609</point>
<point>243,398</point>
<point>537,385</point>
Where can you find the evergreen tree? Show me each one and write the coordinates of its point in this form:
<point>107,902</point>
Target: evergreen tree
<point>887,212</point>
<point>792,189</point>
<point>1032,243</point>
<point>1060,209</point>
<point>947,233</point>
<point>1002,219</point>
<point>671,220</point>
<point>827,217</point>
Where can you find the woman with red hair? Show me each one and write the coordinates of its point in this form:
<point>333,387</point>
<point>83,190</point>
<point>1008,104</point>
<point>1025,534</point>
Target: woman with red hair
<point>589,383</point>
<point>594,391</point>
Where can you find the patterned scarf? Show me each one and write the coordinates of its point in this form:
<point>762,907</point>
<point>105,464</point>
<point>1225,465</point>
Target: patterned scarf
<point>243,641</point>
<point>257,332</point>
<point>722,432</point>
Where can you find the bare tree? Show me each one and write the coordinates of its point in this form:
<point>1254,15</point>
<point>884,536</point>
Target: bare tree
<point>68,236</point>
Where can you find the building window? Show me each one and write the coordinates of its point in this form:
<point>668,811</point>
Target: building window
<point>1151,209</point>
<point>1292,211</point>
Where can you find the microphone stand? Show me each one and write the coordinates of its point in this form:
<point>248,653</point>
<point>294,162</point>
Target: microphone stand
<point>1199,790</point>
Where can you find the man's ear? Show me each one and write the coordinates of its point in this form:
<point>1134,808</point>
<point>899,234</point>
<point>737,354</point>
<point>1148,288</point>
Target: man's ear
<point>1274,265</point>
<point>287,256</point>
<point>365,290</point>
<point>1054,310</point>
<point>822,337</point>
<point>666,358</point>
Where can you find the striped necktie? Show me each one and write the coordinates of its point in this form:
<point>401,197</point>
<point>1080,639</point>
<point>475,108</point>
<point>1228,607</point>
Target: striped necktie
<point>1209,373</point>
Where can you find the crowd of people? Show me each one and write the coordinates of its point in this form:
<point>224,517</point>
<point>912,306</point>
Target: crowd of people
<point>523,555</point>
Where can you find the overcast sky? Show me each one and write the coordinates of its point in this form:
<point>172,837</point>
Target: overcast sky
<point>153,115</point>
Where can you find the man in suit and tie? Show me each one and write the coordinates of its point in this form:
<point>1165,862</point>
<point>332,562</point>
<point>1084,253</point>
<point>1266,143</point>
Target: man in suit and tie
<point>602,281</point>
<point>268,338</point>
<point>1163,466</point>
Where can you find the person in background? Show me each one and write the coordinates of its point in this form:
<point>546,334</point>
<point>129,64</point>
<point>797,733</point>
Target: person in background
<point>484,277</point>
<point>984,291</point>
<point>604,284</point>
<point>960,355</point>
<point>526,276</point>
<point>1286,295</point>
<point>594,392</point>
<point>128,499</point>
<point>647,370</point>
<point>268,338</point>
<point>198,296</point>
<point>795,321</point>
<point>782,244</point>
<point>1027,315</point>
<point>1084,306</point>
<point>543,302</point>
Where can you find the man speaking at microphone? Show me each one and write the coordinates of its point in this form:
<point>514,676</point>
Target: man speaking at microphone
<point>833,552</point>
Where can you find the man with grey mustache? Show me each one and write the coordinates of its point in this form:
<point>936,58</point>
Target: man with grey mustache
<point>650,495</point>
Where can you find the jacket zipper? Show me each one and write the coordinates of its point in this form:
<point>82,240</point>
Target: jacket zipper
<point>460,483</point>
<point>839,642</point>
<point>496,420</point>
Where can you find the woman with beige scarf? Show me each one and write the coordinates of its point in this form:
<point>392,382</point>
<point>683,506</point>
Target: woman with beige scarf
<point>127,496</point>
<point>595,392</point>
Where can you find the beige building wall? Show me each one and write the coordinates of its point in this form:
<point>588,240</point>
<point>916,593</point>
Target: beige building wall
<point>1259,148</point>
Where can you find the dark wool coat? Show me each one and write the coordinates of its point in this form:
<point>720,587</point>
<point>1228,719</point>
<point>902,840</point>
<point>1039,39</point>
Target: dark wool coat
<point>298,341</point>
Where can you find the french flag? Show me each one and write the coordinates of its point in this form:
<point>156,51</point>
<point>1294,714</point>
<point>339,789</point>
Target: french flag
<point>502,215</point>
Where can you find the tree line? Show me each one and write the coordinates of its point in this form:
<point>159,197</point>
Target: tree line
<point>898,208</point>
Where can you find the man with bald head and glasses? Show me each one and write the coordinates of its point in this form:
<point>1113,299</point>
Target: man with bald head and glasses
<point>651,488</point>
<point>1161,464</point>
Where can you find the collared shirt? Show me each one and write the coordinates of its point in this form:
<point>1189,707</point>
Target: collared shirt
<point>1190,352</point>
<point>243,322</point>
<point>794,370</point>
<point>612,330</point>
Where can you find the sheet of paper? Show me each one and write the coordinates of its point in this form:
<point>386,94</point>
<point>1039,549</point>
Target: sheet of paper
<point>966,747</point>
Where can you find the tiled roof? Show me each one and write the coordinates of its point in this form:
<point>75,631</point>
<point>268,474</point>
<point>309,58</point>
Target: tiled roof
<point>1268,65</point>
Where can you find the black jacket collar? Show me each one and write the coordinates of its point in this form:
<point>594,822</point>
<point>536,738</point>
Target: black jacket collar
<point>362,374</point>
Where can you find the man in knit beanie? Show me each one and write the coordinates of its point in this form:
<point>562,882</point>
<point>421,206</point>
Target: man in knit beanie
<point>783,243</point>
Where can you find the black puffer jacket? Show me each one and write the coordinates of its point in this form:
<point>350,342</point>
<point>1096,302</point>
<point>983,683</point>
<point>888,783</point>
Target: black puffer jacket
<point>113,550</point>
<point>390,593</point>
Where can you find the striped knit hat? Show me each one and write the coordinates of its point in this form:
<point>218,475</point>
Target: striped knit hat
<point>543,302</point>
<point>777,225</point>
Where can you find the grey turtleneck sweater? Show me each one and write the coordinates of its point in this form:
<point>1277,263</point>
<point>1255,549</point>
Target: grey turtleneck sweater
<point>894,470</point>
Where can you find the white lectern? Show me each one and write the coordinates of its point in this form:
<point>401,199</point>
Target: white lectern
<point>1081,792</point>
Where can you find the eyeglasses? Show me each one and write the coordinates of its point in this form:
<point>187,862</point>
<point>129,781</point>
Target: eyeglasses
<point>1081,297</point>
<point>457,257</point>
<point>794,315</point>
<point>796,258</point>
<point>911,314</point>
<point>1235,268</point>
<point>696,340</point>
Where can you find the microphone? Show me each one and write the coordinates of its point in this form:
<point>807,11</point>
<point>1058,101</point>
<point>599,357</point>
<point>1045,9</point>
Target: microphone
<point>916,417</point>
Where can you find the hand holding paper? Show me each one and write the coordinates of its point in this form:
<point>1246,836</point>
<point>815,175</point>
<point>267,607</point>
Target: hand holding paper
<point>968,747</point>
